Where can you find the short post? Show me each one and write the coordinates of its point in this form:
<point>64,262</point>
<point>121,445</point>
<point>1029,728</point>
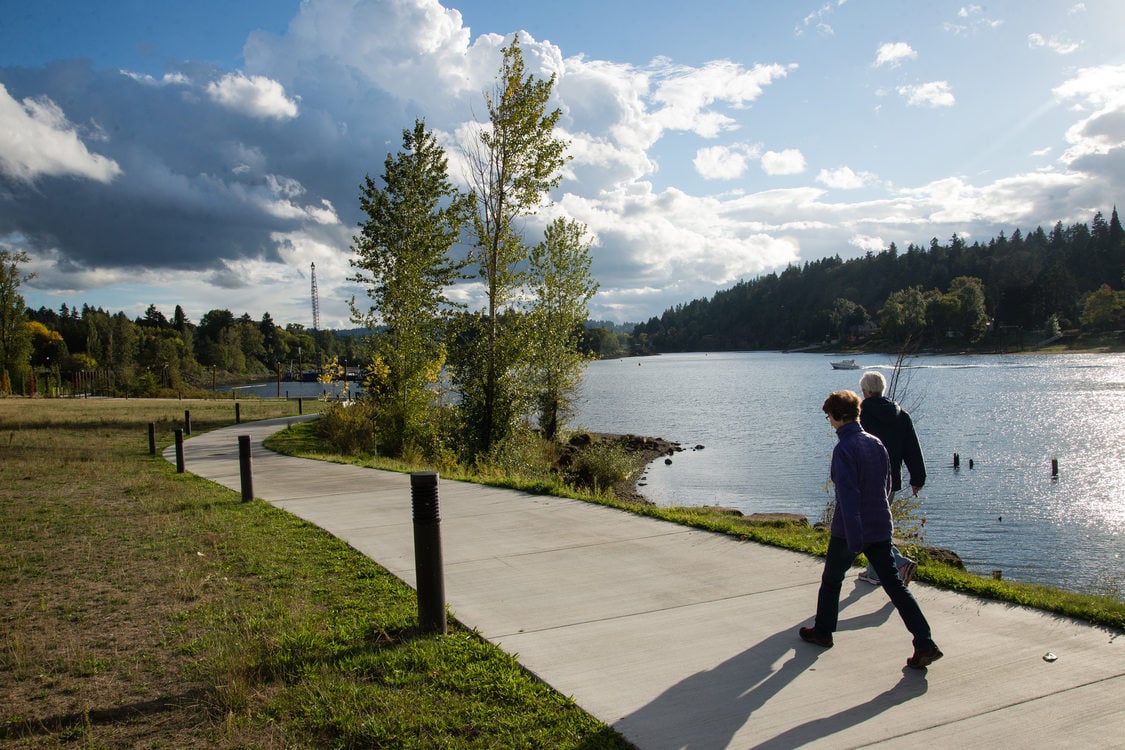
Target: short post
<point>237,413</point>
<point>300,405</point>
<point>427,551</point>
<point>187,422</point>
<point>179,450</point>
<point>244,468</point>
<point>1054,467</point>
<point>956,460</point>
<point>152,438</point>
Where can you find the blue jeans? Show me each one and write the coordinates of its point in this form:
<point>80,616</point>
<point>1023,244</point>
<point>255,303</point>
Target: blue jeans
<point>836,565</point>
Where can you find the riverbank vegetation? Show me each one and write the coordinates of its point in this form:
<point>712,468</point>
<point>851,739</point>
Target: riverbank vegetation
<point>146,608</point>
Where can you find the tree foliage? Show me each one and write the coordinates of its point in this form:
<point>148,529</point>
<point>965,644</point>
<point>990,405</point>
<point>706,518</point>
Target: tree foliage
<point>513,164</point>
<point>15,340</point>
<point>402,257</point>
<point>561,288</point>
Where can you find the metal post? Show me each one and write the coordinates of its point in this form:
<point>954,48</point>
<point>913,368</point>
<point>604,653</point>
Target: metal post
<point>244,468</point>
<point>179,450</point>
<point>237,413</point>
<point>187,422</point>
<point>300,406</point>
<point>152,438</point>
<point>427,552</point>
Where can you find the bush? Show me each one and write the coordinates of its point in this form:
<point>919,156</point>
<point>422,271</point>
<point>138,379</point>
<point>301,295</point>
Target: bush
<point>599,466</point>
<point>523,454</point>
<point>351,429</point>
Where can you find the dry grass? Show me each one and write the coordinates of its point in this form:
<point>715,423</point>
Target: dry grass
<point>144,608</point>
<point>95,570</point>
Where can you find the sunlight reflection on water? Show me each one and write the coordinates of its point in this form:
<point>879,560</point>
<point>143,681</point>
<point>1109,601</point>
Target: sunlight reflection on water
<point>767,446</point>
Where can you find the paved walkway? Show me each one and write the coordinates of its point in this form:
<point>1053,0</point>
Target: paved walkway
<point>681,638</point>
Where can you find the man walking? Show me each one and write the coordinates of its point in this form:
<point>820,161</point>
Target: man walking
<point>891,423</point>
<point>861,523</point>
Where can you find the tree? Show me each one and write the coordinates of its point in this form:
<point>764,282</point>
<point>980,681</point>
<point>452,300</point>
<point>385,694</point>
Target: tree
<point>515,161</point>
<point>561,286</point>
<point>903,314</point>
<point>15,341</point>
<point>403,258</point>
<point>1104,310</point>
<point>972,318</point>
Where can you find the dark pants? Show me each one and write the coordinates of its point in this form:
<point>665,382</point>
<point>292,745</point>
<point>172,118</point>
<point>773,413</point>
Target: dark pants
<point>836,566</point>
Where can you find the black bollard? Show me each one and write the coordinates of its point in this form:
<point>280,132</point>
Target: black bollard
<point>187,422</point>
<point>179,451</point>
<point>244,468</point>
<point>427,551</point>
<point>956,460</point>
<point>152,438</point>
<point>970,464</point>
<point>300,406</point>
<point>1054,467</point>
<point>237,413</point>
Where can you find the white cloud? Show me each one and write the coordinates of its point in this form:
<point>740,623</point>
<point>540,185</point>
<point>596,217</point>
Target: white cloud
<point>816,19</point>
<point>844,178</point>
<point>893,54</point>
<point>1101,92</point>
<point>254,96</point>
<point>932,94</point>
<point>688,93</point>
<point>37,139</point>
<point>972,19</point>
<point>789,161</point>
<point>868,243</point>
<point>723,162</point>
<point>168,79</point>
<point>1055,44</point>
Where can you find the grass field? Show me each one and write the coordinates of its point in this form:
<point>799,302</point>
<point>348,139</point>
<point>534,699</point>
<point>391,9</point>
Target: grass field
<point>141,607</point>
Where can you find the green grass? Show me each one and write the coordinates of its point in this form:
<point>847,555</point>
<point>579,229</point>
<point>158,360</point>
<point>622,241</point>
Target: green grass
<point>141,607</point>
<point>1106,610</point>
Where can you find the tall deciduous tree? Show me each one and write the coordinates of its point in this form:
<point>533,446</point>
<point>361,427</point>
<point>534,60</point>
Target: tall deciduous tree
<point>514,163</point>
<point>561,287</point>
<point>15,342</point>
<point>403,258</point>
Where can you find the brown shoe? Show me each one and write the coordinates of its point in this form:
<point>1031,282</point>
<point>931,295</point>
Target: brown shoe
<point>812,635</point>
<point>924,657</point>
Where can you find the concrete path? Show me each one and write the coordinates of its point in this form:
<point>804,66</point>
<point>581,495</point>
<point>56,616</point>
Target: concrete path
<point>681,638</point>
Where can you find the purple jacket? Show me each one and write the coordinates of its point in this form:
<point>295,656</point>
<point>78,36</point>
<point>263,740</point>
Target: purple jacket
<point>861,473</point>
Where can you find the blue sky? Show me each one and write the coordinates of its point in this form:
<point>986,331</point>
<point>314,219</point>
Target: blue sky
<point>206,153</point>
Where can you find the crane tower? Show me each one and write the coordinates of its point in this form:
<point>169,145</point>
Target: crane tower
<point>315,302</point>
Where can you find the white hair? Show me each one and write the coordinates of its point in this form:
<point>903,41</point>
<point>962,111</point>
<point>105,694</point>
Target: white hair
<point>873,383</point>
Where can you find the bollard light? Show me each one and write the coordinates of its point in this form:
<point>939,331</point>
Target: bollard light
<point>427,551</point>
<point>244,471</point>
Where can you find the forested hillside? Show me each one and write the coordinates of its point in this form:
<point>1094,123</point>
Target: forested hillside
<point>953,292</point>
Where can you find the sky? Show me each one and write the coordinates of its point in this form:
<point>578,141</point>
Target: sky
<point>207,154</point>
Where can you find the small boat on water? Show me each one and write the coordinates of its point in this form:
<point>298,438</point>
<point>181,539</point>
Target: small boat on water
<point>845,364</point>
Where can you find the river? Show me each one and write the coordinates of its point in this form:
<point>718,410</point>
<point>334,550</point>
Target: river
<point>766,446</point>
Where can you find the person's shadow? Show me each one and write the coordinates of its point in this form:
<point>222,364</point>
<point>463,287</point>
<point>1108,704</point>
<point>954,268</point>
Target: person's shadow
<point>707,709</point>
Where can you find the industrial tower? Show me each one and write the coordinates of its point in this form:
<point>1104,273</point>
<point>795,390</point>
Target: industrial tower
<point>315,303</point>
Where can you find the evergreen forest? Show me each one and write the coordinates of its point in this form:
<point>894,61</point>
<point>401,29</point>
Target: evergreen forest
<point>1008,293</point>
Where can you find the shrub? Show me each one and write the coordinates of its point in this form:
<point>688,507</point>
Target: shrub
<point>601,465</point>
<point>351,429</point>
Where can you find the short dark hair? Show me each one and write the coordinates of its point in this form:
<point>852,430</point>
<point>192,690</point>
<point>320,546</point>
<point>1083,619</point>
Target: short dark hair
<point>843,406</point>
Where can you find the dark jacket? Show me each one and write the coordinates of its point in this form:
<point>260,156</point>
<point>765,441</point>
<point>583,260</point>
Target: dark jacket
<point>861,473</point>
<point>885,420</point>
